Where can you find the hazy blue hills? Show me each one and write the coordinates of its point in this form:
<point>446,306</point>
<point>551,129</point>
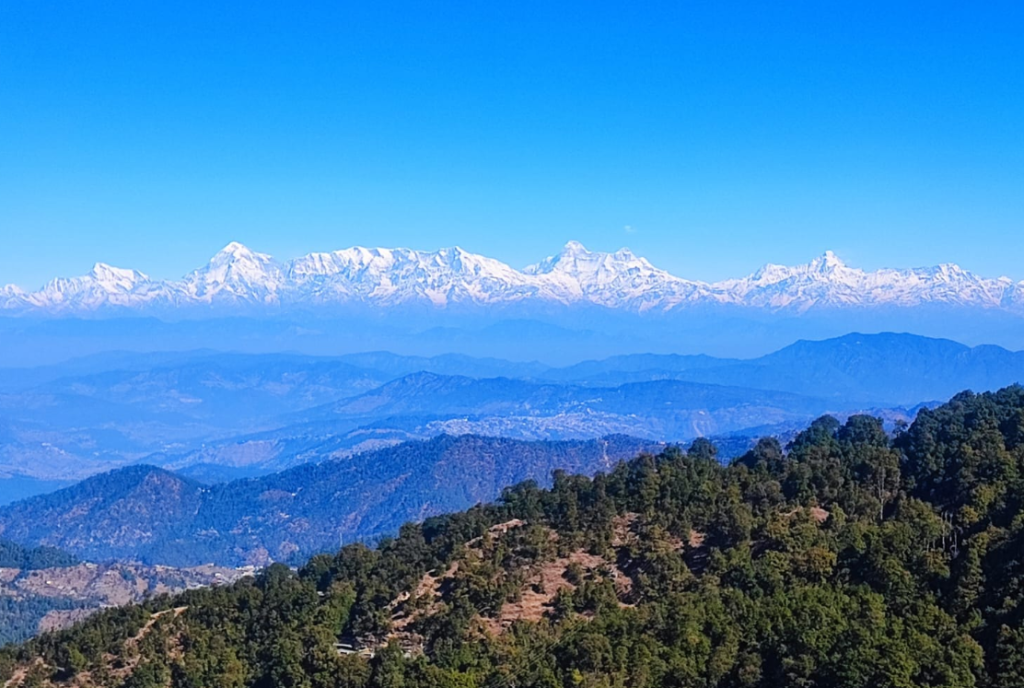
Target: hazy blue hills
<point>274,454</point>
<point>126,510</point>
<point>559,339</point>
<point>887,368</point>
<point>224,388</point>
<point>661,408</point>
<point>395,365</point>
<point>150,514</point>
<point>631,367</point>
<point>218,416</point>
<point>25,377</point>
<point>177,420</point>
<point>883,368</point>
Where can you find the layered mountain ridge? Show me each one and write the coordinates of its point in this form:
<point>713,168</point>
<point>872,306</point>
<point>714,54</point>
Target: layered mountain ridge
<point>240,277</point>
<point>218,416</point>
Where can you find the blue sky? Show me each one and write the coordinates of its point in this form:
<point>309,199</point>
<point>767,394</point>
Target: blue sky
<point>725,135</point>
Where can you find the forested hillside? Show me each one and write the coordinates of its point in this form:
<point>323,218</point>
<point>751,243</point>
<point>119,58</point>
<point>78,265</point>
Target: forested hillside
<point>847,559</point>
<point>21,611</point>
<point>14,556</point>
<point>147,514</point>
<point>44,588</point>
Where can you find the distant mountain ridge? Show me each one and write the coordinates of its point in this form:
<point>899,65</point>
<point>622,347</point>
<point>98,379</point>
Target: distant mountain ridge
<point>380,278</point>
<point>663,409</point>
<point>886,368</point>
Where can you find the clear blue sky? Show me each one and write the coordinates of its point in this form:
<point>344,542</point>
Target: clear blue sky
<point>724,134</point>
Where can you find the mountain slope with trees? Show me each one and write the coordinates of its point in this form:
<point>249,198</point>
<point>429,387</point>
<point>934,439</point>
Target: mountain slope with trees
<point>849,558</point>
<point>43,588</point>
<point>148,514</point>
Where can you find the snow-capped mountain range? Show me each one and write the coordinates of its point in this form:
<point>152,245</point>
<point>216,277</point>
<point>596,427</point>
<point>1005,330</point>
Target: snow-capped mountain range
<point>237,276</point>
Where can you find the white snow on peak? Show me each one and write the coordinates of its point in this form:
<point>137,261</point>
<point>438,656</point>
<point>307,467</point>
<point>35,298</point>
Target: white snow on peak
<point>827,262</point>
<point>104,285</point>
<point>619,279</point>
<point>577,260</point>
<point>235,274</point>
<point>403,275</point>
<point>116,279</point>
<point>827,281</point>
<point>381,277</point>
<point>11,290</point>
<point>11,297</point>
<point>235,248</point>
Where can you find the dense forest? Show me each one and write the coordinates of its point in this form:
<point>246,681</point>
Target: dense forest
<point>849,558</point>
<point>15,556</point>
<point>20,613</point>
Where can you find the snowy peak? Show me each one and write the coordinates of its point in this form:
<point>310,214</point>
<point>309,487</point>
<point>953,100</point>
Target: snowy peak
<point>236,249</point>
<point>11,296</point>
<point>613,280</point>
<point>828,282</point>
<point>239,258</point>
<point>116,279</point>
<point>569,256</point>
<point>383,277</point>
<point>11,290</point>
<point>403,275</point>
<point>576,260</point>
<point>236,254</point>
<point>826,264</point>
<point>236,274</point>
